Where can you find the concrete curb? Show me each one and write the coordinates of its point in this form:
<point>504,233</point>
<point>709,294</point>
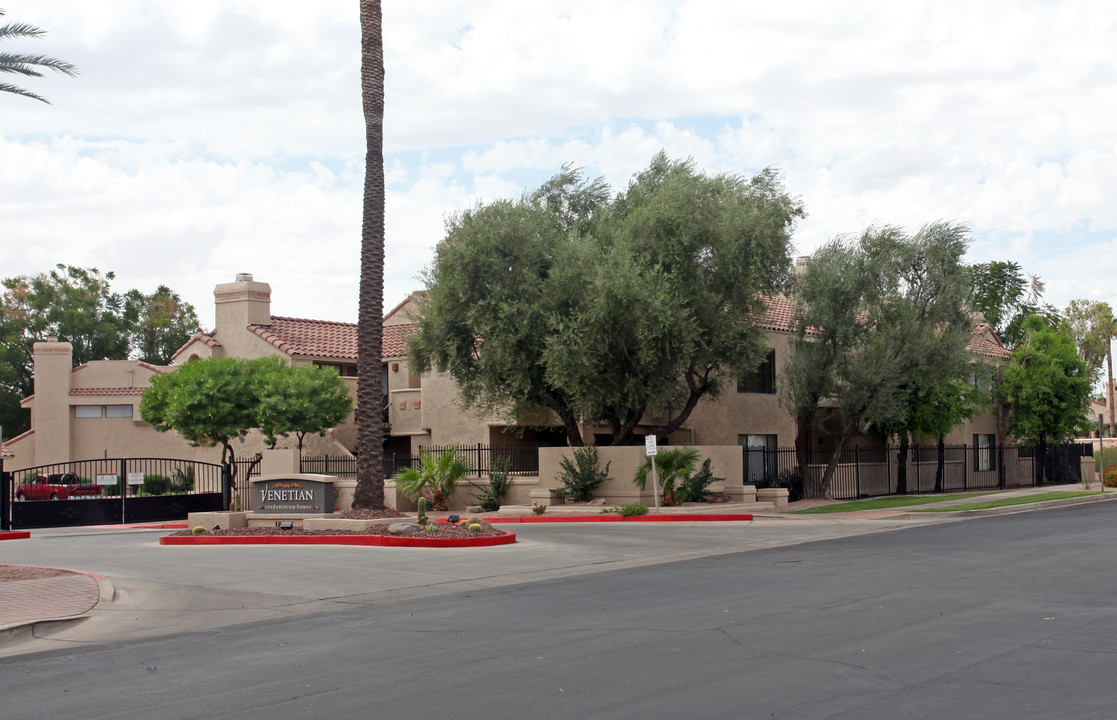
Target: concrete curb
<point>1010,509</point>
<point>106,593</point>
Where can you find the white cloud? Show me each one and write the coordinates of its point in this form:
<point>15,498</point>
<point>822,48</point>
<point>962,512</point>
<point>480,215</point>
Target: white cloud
<point>226,136</point>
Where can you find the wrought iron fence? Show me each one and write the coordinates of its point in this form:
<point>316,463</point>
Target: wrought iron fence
<point>523,460</point>
<point>871,472</point>
<point>110,490</point>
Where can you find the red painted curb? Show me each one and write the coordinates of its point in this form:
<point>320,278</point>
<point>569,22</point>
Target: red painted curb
<point>366,540</point>
<point>676,517</point>
<point>15,535</point>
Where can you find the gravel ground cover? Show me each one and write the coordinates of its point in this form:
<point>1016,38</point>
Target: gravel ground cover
<point>9,573</point>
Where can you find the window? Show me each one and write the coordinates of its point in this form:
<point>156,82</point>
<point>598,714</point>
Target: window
<point>118,411</point>
<point>984,452</point>
<point>87,411</point>
<point>762,379</point>
<point>760,458</point>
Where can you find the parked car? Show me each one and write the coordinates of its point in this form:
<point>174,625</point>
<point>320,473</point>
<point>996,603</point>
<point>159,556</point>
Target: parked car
<point>56,486</point>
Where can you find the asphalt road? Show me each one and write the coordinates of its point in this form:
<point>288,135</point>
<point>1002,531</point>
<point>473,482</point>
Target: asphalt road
<point>1001,617</point>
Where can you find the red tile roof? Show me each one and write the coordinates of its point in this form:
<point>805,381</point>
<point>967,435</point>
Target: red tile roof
<point>980,343</point>
<point>324,338</point>
<point>100,392</point>
<point>204,337</point>
<point>5,452</point>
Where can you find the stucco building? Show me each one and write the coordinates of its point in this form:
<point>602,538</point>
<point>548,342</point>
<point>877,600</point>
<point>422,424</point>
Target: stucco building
<point>92,411</point>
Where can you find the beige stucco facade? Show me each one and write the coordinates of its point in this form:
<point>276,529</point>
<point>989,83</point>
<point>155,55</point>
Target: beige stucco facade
<point>422,410</point>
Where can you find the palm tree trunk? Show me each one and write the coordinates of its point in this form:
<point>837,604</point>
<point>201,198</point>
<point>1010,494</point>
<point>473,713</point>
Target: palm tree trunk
<point>1109,392</point>
<point>369,492</point>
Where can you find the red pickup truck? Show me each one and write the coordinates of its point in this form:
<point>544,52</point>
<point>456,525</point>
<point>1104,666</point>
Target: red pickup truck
<point>56,486</point>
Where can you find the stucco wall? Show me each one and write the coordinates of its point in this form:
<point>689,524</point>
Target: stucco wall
<point>623,462</point>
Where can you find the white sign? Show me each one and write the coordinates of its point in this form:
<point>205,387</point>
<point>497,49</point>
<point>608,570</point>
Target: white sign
<point>135,478</point>
<point>649,445</point>
<point>106,478</point>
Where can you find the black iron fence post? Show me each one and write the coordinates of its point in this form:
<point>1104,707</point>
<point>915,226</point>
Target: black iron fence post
<point>965,472</point>
<point>122,483</point>
<point>5,498</point>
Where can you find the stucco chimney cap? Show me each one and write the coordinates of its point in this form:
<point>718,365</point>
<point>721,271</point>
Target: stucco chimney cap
<point>244,277</point>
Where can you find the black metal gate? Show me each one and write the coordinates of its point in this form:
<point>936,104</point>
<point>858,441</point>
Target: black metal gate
<point>110,491</point>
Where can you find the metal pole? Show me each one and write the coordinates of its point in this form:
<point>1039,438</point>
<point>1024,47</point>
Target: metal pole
<point>655,484</point>
<point>122,483</point>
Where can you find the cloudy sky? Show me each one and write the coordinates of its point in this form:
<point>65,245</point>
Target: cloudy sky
<point>214,137</point>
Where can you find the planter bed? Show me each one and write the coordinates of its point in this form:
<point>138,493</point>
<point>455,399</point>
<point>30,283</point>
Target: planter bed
<point>652,517</point>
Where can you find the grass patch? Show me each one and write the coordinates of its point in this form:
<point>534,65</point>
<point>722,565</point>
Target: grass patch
<point>884,503</point>
<point>1010,501</point>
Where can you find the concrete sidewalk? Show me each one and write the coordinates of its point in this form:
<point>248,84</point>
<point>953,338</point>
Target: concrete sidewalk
<point>159,590</point>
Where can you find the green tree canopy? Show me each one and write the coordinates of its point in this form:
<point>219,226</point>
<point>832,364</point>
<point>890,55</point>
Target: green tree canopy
<point>216,401</point>
<point>1046,386</point>
<point>607,311</point>
<point>209,402</point>
<point>78,305</point>
<point>878,318</point>
<point>301,400</point>
<point>161,324</point>
<point>28,64</point>
<point>1092,326</point>
<point>1006,296</point>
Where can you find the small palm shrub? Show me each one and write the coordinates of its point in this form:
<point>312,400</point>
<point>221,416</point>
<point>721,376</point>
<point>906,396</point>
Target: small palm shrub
<point>436,475</point>
<point>673,466</point>
<point>695,488</point>
<point>580,477</point>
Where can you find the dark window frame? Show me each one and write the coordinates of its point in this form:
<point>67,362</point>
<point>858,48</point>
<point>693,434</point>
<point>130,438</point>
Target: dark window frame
<point>762,380</point>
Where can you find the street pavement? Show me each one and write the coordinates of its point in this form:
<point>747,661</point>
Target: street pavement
<point>129,587</point>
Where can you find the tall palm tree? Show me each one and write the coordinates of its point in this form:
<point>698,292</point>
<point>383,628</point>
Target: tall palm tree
<point>370,389</point>
<point>27,64</point>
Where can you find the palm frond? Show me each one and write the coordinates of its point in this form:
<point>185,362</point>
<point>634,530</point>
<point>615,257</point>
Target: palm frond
<point>16,90</point>
<point>22,62</point>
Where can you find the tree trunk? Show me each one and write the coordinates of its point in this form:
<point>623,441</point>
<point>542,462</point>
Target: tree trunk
<point>803,457</point>
<point>369,492</point>
<point>832,465</point>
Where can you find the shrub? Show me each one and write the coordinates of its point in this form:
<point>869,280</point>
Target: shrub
<point>539,509</point>
<point>1111,476</point>
<point>156,484</point>
<point>500,482</point>
<point>786,479</point>
<point>475,527</point>
<point>436,475</point>
<point>672,465</point>
<point>110,490</point>
<point>198,530</point>
<point>695,488</point>
<point>633,509</point>
<point>581,477</point>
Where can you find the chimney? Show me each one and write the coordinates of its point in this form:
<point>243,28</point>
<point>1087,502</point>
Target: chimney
<point>800,268</point>
<point>50,415</point>
<point>242,302</point>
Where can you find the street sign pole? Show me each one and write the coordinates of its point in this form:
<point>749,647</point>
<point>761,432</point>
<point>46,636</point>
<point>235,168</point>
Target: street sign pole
<point>650,450</point>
